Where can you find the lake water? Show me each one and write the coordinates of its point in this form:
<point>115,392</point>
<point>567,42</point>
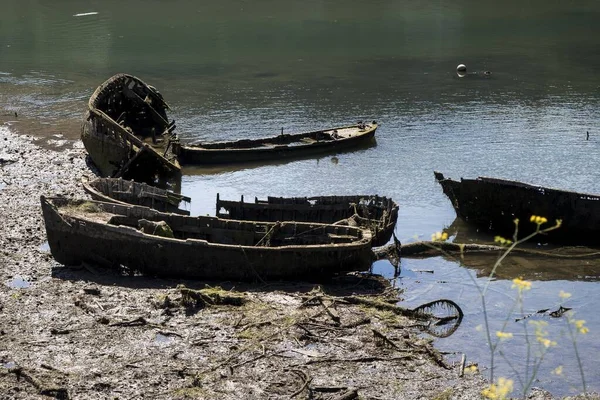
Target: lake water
<point>235,69</point>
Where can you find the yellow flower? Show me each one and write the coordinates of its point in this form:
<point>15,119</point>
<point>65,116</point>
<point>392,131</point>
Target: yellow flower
<point>521,284</point>
<point>498,391</point>
<point>557,370</point>
<point>502,241</point>
<point>479,328</point>
<point>579,325</point>
<point>439,237</point>
<point>538,220</point>
<point>564,295</point>
<point>472,368</point>
<point>504,335</point>
<point>558,223</point>
<point>546,342</point>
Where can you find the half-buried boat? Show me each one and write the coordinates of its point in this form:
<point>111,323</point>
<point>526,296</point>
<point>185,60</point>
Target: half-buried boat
<point>171,245</point>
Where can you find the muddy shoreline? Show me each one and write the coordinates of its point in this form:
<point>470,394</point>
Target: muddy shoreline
<point>90,333</point>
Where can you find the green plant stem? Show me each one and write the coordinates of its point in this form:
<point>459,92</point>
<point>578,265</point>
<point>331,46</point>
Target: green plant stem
<point>528,360</point>
<point>534,373</point>
<point>574,340</point>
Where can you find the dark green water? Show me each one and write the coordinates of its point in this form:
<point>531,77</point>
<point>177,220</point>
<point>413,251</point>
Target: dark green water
<point>245,69</point>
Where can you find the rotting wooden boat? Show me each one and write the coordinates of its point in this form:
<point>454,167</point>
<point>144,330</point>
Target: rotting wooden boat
<point>126,131</point>
<point>283,146</point>
<point>377,213</point>
<point>493,204</point>
<point>121,191</point>
<point>170,245</point>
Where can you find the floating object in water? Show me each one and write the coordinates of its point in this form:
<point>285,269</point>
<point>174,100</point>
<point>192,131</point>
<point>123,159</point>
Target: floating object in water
<point>461,68</point>
<point>282,146</point>
<point>85,14</point>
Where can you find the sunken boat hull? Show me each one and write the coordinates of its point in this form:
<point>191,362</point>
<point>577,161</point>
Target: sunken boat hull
<point>121,191</point>
<point>200,247</point>
<point>377,213</point>
<point>493,204</point>
<point>126,132</point>
<point>283,146</point>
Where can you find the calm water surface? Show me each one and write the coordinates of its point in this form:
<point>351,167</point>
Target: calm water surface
<point>235,69</point>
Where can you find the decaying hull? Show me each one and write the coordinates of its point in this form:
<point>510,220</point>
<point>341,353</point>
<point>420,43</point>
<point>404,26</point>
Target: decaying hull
<point>494,204</point>
<point>120,191</point>
<point>278,147</point>
<point>199,247</point>
<point>126,131</point>
<point>379,214</point>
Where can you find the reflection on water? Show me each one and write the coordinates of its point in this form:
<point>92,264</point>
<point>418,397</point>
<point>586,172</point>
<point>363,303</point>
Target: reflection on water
<point>534,260</point>
<point>231,70</point>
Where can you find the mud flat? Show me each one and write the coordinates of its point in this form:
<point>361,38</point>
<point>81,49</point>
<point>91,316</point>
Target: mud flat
<point>88,333</point>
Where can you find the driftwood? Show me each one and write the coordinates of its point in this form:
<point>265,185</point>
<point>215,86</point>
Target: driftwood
<point>209,297</point>
<point>434,249</point>
<point>42,388</point>
<point>441,318</point>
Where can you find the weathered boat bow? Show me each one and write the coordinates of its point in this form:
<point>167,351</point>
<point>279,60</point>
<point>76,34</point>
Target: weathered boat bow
<point>494,204</point>
<point>126,131</point>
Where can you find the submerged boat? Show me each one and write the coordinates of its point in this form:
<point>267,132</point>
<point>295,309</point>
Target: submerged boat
<point>379,214</point>
<point>171,245</point>
<point>121,191</point>
<point>493,204</point>
<point>126,131</point>
<point>277,147</point>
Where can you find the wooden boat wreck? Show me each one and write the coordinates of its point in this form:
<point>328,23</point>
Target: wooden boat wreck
<point>126,131</point>
<point>171,245</point>
<point>377,213</point>
<point>277,147</point>
<point>493,204</point>
<point>121,191</point>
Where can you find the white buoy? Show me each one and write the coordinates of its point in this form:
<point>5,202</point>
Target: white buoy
<point>461,68</point>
